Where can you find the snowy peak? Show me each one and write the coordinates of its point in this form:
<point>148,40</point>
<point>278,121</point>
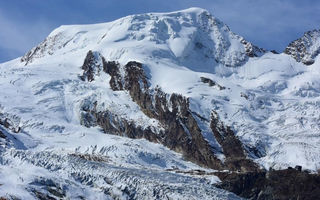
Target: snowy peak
<point>306,48</point>
<point>188,37</point>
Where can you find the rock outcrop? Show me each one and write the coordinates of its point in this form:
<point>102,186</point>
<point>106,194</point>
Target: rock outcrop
<point>252,50</point>
<point>236,158</point>
<point>271,185</point>
<point>181,131</point>
<point>8,123</point>
<point>212,83</point>
<point>306,48</point>
<point>92,66</point>
<point>47,47</point>
<point>2,135</point>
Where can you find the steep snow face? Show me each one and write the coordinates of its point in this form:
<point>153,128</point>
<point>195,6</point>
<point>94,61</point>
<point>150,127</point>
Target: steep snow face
<point>306,48</point>
<point>192,37</point>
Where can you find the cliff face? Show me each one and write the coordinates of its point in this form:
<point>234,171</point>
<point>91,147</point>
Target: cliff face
<point>274,184</point>
<point>306,48</point>
<point>181,130</point>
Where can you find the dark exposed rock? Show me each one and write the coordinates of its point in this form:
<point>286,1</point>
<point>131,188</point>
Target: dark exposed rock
<point>298,167</point>
<point>88,115</point>
<point>2,135</point>
<point>306,48</point>
<point>244,95</point>
<point>211,83</point>
<point>113,124</point>
<point>7,123</point>
<point>252,50</point>
<point>308,171</point>
<point>257,151</point>
<point>112,68</point>
<point>29,56</point>
<point>248,95</point>
<point>181,131</point>
<point>272,185</point>
<point>120,126</point>
<point>92,65</point>
<point>274,52</point>
<point>233,150</point>
<point>48,46</point>
<point>194,148</point>
<point>246,185</point>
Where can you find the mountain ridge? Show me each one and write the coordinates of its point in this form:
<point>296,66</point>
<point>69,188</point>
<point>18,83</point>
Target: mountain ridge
<point>306,48</point>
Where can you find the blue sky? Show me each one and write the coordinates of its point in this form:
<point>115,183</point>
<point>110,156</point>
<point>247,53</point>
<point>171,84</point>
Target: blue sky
<point>270,24</point>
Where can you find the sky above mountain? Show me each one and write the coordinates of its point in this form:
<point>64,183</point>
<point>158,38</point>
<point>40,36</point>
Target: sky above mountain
<point>269,24</point>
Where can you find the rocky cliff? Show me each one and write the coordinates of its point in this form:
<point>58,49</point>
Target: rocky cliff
<point>306,48</point>
<point>181,130</point>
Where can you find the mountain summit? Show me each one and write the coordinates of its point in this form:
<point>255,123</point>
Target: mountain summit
<point>191,37</point>
<point>158,106</point>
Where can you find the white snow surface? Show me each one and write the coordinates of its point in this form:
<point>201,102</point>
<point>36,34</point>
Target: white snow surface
<point>271,102</point>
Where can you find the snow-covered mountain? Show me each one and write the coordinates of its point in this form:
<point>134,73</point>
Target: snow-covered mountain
<point>173,91</point>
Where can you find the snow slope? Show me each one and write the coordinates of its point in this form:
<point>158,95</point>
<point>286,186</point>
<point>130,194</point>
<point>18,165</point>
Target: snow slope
<point>271,101</point>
